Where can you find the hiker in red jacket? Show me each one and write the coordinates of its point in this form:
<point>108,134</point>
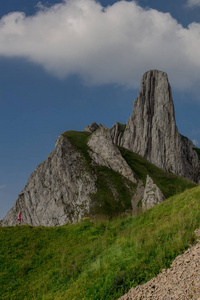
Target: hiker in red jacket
<point>19,218</point>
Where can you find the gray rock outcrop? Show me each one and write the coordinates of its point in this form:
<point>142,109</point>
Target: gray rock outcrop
<point>152,194</point>
<point>151,130</point>
<point>91,128</point>
<point>105,153</point>
<point>57,192</point>
<point>62,189</point>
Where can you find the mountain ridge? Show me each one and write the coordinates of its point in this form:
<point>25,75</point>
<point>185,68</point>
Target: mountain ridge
<point>97,260</point>
<point>91,173</point>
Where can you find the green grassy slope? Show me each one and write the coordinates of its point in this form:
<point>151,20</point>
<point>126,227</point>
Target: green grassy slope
<point>96,260</point>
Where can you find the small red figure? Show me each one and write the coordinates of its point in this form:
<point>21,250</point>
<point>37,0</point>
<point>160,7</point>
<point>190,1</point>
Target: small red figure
<point>19,218</point>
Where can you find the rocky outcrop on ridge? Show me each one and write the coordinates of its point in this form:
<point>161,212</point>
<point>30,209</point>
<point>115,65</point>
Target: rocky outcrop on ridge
<point>152,194</point>
<point>91,128</point>
<point>151,130</point>
<point>105,153</point>
<point>181,281</point>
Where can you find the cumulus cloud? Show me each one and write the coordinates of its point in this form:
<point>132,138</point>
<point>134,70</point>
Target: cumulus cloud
<point>193,3</point>
<point>116,44</point>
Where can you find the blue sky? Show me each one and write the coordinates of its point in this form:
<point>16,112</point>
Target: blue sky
<point>66,64</point>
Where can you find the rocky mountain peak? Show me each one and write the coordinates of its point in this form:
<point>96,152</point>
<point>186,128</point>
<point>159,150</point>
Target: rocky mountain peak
<point>152,123</point>
<point>151,130</point>
<point>156,98</point>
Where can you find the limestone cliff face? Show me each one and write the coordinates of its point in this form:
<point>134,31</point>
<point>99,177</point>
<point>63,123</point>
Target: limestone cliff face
<point>105,153</point>
<point>57,191</point>
<point>151,130</point>
<point>60,189</point>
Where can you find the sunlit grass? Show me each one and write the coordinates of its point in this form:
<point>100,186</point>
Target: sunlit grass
<point>96,260</point>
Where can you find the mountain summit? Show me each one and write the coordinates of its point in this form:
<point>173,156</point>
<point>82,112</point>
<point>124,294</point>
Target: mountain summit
<point>102,173</point>
<point>151,130</point>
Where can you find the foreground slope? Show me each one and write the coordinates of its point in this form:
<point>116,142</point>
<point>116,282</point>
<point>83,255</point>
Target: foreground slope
<point>180,282</point>
<point>96,260</point>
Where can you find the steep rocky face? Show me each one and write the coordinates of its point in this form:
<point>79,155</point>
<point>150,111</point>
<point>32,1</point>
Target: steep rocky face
<point>152,194</point>
<point>63,188</point>
<point>152,119</point>
<point>151,130</point>
<point>105,153</point>
<point>57,191</point>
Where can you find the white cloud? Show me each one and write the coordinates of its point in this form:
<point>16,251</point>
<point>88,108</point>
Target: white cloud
<point>193,3</point>
<point>116,44</point>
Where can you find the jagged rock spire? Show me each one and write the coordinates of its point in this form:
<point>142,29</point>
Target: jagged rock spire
<point>151,130</point>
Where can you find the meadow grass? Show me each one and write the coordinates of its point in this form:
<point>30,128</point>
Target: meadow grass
<point>96,260</point>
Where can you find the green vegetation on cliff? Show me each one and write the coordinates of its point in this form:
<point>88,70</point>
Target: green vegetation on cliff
<point>114,192</point>
<point>96,260</point>
<point>79,140</point>
<point>170,184</point>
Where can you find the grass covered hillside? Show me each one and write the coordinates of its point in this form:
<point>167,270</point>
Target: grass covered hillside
<point>96,260</point>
